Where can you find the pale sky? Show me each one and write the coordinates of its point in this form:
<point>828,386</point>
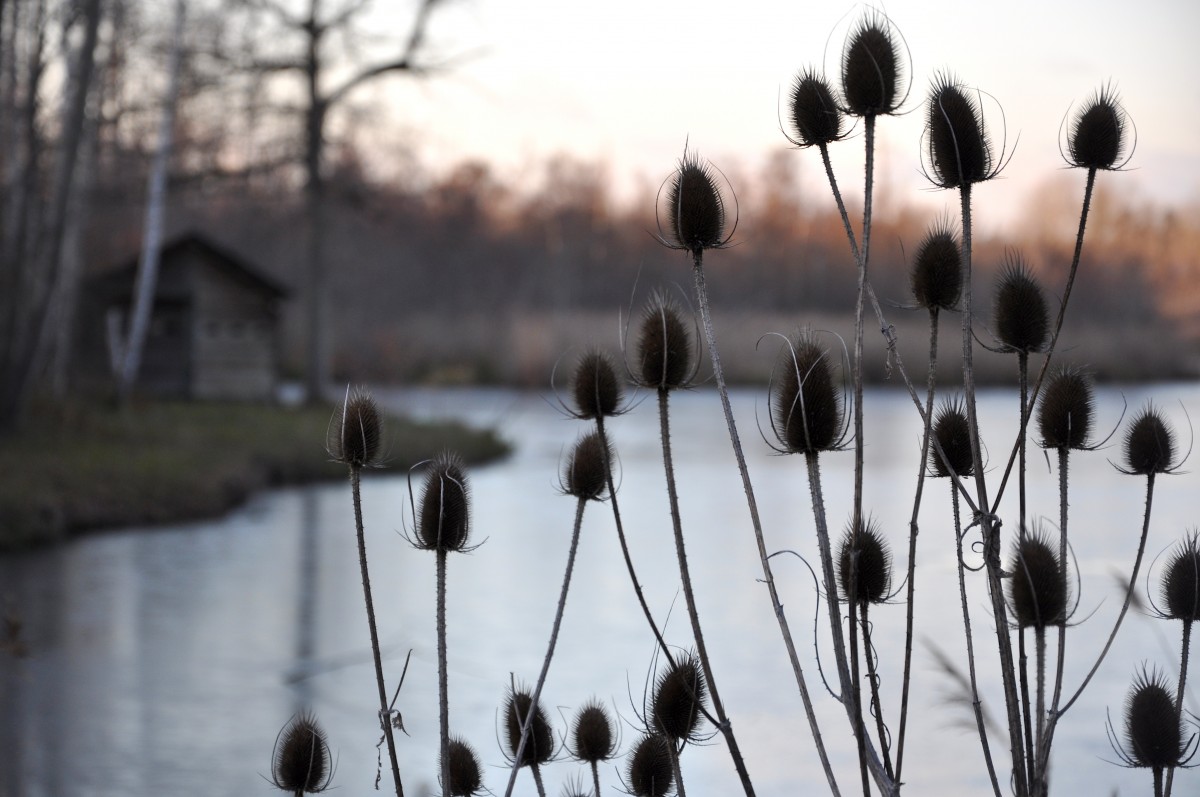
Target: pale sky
<point>628,81</point>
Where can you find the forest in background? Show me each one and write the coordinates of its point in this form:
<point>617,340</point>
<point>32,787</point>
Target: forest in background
<point>456,274</point>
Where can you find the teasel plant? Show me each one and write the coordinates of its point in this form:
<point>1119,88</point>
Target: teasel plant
<point>354,438</point>
<point>528,736</point>
<point>676,709</point>
<point>594,738</point>
<point>301,763</point>
<point>443,525</point>
<point>648,771</point>
<point>1154,737</point>
<point>1180,596</point>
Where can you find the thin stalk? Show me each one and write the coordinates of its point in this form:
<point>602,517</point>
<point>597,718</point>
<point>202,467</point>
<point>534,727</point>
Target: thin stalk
<point>913,528</point>
<point>860,730</point>
<point>976,704</point>
<point>873,676</point>
<point>1039,637</point>
<point>527,723</point>
<point>1047,739</point>
<point>675,769</point>
<point>1026,705</point>
<point>856,518</point>
<point>685,578</point>
<point>1183,668</point>
<point>443,677</point>
<point>1158,782</point>
<point>537,779</point>
<point>764,559</point>
<point>384,718</point>
<point>1023,381</point>
<point>596,777</point>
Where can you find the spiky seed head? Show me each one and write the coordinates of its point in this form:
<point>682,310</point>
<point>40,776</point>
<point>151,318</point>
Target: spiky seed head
<point>595,388</point>
<point>695,207</point>
<point>959,152</point>
<point>301,761</point>
<point>952,431</point>
<point>872,69</point>
<point>1149,444</point>
<point>539,747</point>
<point>1022,320</point>
<point>593,735</point>
<point>872,566</point>
<point>936,276</point>
<point>1181,581</point>
<point>1152,729</point>
<point>678,697</point>
<point>816,117</point>
<point>1098,132</point>
<point>807,406</point>
<point>665,354</point>
<point>585,475</point>
<point>649,770</point>
<point>354,432</point>
<point>444,522</point>
<point>466,778</point>
<point>1066,410</point>
<point>1038,587</point>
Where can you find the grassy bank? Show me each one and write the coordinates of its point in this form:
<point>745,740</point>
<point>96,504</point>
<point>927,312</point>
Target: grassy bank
<point>81,468</point>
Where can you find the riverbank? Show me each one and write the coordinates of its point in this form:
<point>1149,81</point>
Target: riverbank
<point>88,467</point>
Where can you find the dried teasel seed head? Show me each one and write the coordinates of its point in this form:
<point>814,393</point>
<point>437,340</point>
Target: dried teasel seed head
<point>1066,410</point>
<point>585,475</point>
<point>649,772</point>
<point>593,735</point>
<point>1181,580</point>
<point>1149,444</point>
<point>301,761</point>
<point>807,404</point>
<point>666,356</point>
<point>695,207</point>
<point>872,68</point>
<point>1097,137</point>
<point>354,433</point>
<point>1152,729</point>
<point>936,276</point>
<point>466,777</point>
<point>1022,320</point>
<point>678,697</point>
<point>444,522</point>
<point>872,568</point>
<point>952,431</point>
<point>816,117</point>
<point>539,747</point>
<point>1038,587</point>
<point>595,387</point>
<point>959,152</point>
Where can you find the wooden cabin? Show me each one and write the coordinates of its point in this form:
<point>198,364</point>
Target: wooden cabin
<point>214,330</point>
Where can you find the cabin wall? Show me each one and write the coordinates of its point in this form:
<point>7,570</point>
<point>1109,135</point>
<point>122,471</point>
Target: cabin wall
<point>234,346</point>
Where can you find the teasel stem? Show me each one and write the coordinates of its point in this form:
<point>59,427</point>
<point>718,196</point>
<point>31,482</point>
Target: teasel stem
<point>443,675</point>
<point>860,729</point>
<point>873,677</point>
<point>596,777</point>
<point>1039,637</point>
<point>856,519</point>
<point>527,723</point>
<point>675,769</point>
<point>1026,712</point>
<point>722,721</point>
<point>913,529</point>
<point>1023,382</point>
<point>752,504</point>
<point>384,712</point>
<point>976,704</point>
<point>537,779</point>
<point>991,534</point>
<point>1183,668</point>
<point>1047,738</point>
<point>1137,564</point>
<point>1158,782</point>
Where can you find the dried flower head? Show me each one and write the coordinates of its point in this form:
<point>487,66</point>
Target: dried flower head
<point>1038,587</point>
<point>1149,444</point>
<point>649,772</point>
<point>867,552</point>
<point>952,431</point>
<point>678,698</point>
<point>1153,733</point>
<point>666,355</point>
<point>585,475</point>
<point>816,116</point>
<point>443,522</point>
<point>695,210</point>
<point>466,778</point>
<point>301,762</point>
<point>1022,320</point>
<point>1066,410</point>
<point>1181,580</point>
<point>936,276</point>
<point>958,148</point>
<point>1097,137</point>
<point>872,68</point>
<point>593,735</point>
<point>806,406</point>
<point>595,388</point>
<point>354,432</point>
<point>539,747</point>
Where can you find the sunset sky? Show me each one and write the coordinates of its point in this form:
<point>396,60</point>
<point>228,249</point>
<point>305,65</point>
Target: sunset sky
<point>629,81</point>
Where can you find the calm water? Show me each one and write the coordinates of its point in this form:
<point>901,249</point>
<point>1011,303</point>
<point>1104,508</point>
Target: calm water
<point>164,661</point>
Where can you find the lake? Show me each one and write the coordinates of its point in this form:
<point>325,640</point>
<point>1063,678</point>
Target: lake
<point>165,660</point>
